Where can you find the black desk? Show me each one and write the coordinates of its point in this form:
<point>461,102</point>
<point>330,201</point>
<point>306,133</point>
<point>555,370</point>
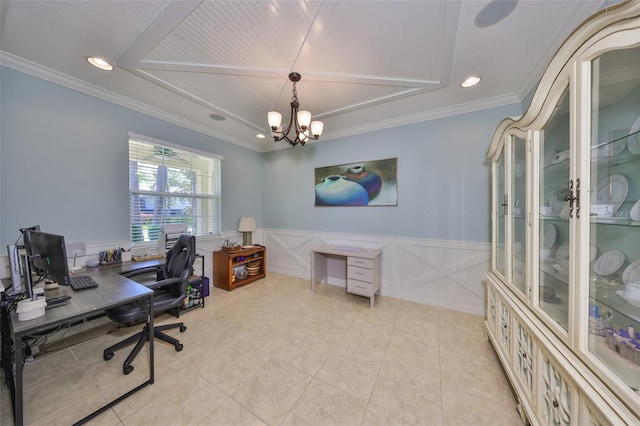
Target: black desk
<point>113,290</point>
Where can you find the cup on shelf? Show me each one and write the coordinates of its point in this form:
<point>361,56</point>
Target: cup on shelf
<point>632,290</point>
<point>546,210</point>
<point>602,210</point>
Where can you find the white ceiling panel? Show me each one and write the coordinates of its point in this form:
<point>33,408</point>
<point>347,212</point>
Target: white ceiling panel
<point>365,65</point>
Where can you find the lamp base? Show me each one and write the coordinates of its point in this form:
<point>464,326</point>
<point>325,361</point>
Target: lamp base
<point>246,238</point>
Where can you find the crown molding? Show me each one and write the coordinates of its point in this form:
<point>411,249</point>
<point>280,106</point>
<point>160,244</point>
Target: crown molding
<point>465,108</point>
<point>31,68</point>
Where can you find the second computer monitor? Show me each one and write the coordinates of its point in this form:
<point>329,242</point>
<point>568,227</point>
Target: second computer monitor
<point>49,255</point>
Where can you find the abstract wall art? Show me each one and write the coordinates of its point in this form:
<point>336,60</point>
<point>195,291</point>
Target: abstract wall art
<point>368,183</point>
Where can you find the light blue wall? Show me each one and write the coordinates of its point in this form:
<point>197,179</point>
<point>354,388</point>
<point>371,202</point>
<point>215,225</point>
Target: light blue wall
<point>443,180</point>
<point>64,166</point>
<point>64,159</point>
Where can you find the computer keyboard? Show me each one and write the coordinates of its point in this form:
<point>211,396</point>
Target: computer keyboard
<point>81,282</point>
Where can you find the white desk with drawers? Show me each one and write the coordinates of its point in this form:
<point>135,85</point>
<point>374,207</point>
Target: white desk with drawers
<point>362,268</point>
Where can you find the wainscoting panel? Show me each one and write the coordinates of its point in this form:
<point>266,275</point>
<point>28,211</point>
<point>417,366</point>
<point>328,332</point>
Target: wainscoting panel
<point>448,274</point>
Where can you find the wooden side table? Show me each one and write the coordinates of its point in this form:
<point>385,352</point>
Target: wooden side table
<point>224,264</point>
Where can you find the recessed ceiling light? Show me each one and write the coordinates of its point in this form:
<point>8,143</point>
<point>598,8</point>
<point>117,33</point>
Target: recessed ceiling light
<point>260,136</point>
<point>217,117</point>
<point>494,12</point>
<point>470,81</point>
<point>100,63</point>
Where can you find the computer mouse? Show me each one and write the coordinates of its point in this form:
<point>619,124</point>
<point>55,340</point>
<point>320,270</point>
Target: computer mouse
<point>92,263</point>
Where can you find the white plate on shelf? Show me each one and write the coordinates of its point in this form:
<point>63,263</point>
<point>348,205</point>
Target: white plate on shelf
<point>631,272</point>
<point>634,214</point>
<point>634,302</point>
<point>633,142</point>
<point>608,149</point>
<point>609,262</point>
<point>563,251</point>
<point>557,202</point>
<point>550,157</point>
<point>549,235</point>
<point>611,190</point>
<point>562,156</point>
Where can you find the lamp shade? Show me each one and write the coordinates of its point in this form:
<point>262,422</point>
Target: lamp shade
<point>247,224</point>
<point>274,118</point>
<point>316,128</point>
<point>304,119</point>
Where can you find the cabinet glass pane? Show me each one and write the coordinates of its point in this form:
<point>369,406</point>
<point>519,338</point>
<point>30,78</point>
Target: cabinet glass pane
<point>518,211</point>
<point>500,209</point>
<point>614,237</point>
<point>554,214</point>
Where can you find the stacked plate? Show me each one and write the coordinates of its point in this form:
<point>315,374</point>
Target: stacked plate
<point>631,279</point>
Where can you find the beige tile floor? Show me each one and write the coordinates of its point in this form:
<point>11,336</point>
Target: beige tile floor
<point>274,353</point>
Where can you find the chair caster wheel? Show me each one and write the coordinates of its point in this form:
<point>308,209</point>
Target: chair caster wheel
<point>179,347</point>
<point>128,369</point>
<point>107,356</point>
<point>183,328</point>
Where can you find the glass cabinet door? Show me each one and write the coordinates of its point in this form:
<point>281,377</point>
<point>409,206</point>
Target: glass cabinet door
<point>501,207</point>
<point>518,212</point>
<point>614,215</point>
<point>553,291</point>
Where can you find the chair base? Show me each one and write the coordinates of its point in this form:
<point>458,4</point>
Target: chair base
<point>140,338</point>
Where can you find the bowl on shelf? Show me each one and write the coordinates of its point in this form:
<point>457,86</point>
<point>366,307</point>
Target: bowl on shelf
<point>632,290</point>
<point>253,270</point>
<point>230,249</point>
<point>254,264</point>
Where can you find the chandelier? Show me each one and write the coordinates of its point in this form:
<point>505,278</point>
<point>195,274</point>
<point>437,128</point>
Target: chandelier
<point>300,121</point>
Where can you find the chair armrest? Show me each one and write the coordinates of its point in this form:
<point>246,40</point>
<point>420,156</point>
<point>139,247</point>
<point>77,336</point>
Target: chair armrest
<point>141,271</point>
<point>163,283</point>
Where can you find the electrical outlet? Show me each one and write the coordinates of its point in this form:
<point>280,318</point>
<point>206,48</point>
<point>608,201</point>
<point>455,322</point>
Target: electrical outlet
<point>76,249</point>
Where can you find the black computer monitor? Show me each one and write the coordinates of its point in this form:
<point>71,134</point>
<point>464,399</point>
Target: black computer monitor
<point>26,244</point>
<point>48,254</point>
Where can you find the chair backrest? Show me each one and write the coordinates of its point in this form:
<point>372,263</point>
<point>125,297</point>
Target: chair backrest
<point>179,259</point>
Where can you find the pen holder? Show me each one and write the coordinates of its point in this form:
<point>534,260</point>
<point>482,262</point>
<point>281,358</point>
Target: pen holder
<point>109,257</point>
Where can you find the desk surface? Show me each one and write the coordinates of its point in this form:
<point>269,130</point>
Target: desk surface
<point>113,289</point>
<point>348,251</point>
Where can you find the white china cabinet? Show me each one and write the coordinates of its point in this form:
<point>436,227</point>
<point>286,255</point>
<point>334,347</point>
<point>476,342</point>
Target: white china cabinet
<point>563,296</point>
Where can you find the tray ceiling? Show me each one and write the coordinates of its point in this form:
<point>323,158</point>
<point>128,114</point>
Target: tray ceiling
<point>365,65</point>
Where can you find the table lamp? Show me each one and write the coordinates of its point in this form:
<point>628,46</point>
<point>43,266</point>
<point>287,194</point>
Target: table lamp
<point>247,226</point>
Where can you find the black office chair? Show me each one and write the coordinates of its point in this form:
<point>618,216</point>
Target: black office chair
<point>170,290</point>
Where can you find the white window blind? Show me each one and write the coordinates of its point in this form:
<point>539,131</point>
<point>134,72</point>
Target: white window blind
<point>170,185</point>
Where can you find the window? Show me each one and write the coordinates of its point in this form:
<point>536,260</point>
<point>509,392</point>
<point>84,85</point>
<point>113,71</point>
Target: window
<point>171,185</point>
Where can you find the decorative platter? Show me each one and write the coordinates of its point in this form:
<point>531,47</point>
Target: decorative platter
<point>611,190</point>
<point>632,273</point>
<point>549,236</point>
<point>609,262</point>
<point>633,141</point>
